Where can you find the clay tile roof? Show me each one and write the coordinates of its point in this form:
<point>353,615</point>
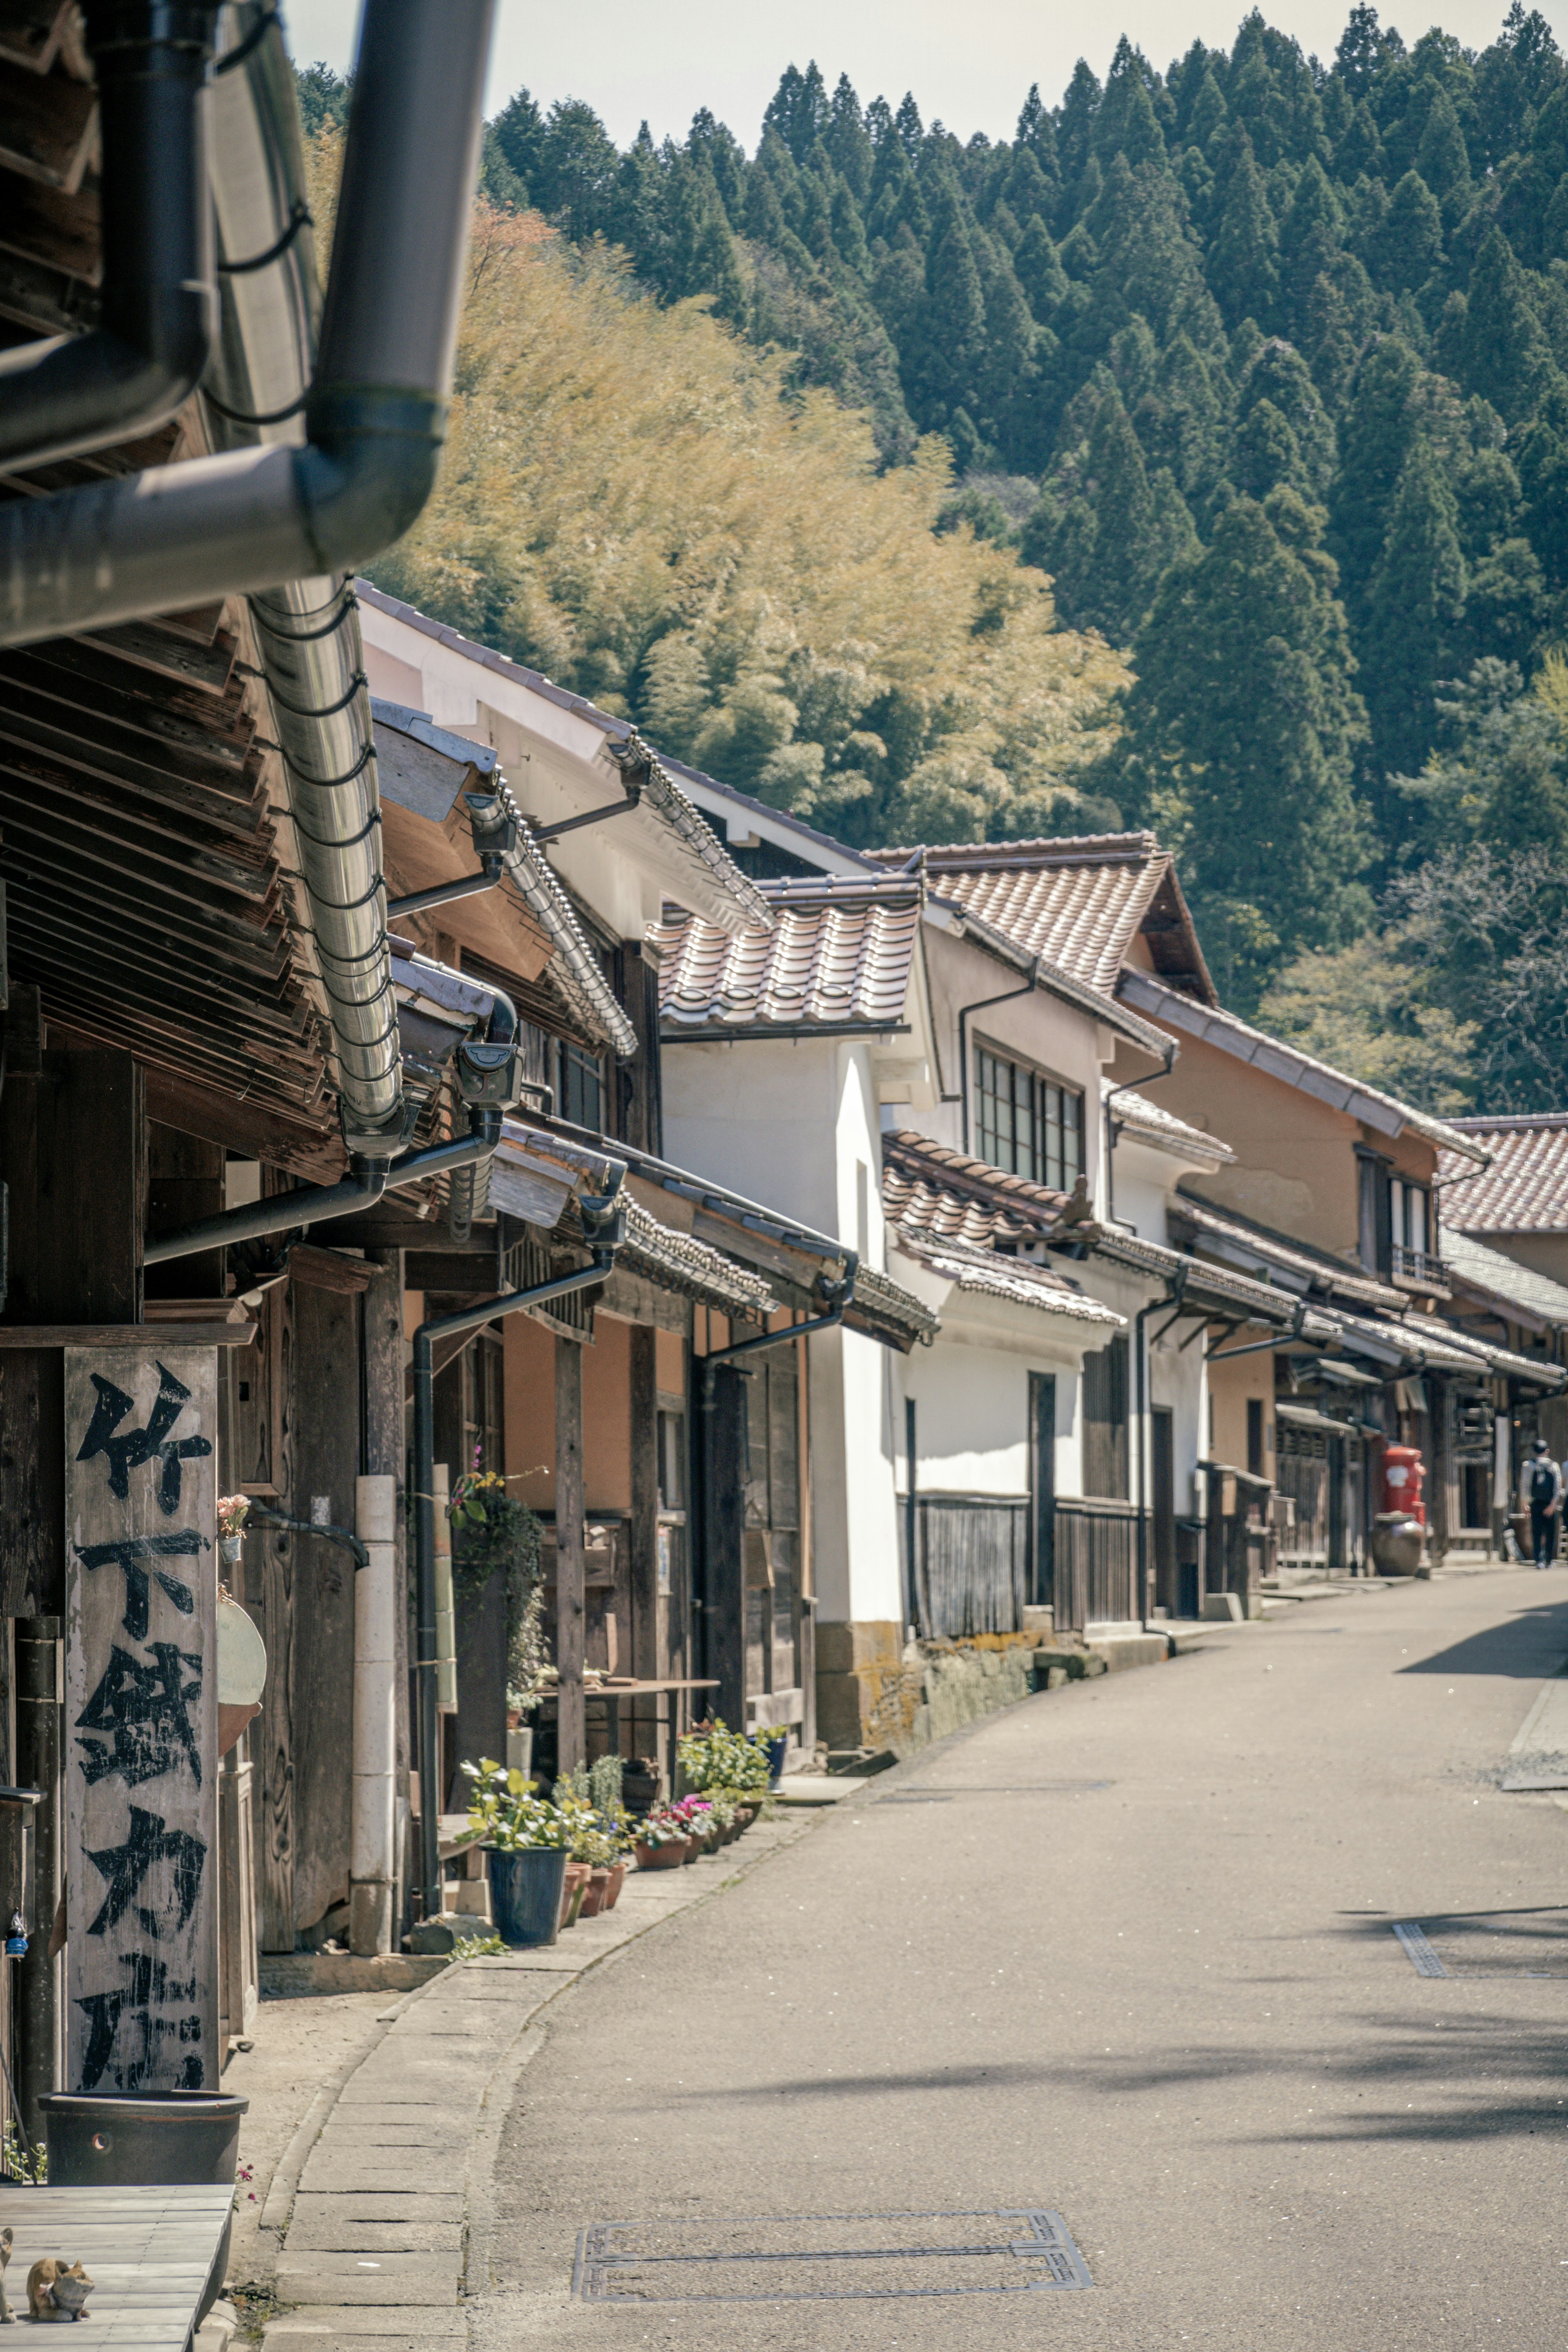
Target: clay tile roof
<point>1152,1123</point>
<point>931,1191</point>
<point>958,1217</point>
<point>838,957</point>
<point>679,1262</point>
<point>1079,901</point>
<point>1525,1190</point>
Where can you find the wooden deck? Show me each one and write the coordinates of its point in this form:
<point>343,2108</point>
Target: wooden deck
<point>148,2252</point>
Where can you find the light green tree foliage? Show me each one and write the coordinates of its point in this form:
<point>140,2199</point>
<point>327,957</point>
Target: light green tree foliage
<point>628,503</point>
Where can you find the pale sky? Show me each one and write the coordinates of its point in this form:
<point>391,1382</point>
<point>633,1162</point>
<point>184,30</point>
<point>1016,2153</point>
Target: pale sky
<point>969,64</point>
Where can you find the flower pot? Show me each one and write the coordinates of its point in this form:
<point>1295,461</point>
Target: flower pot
<point>595,1892</point>
<point>745,1819</point>
<point>617,1880</point>
<point>577,1876</point>
<point>693,1847</point>
<point>660,1857</point>
<point>231,1550</point>
<point>777,1750</point>
<point>120,2139</point>
<point>525,1893</point>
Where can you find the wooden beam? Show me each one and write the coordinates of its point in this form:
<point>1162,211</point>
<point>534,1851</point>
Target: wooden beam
<point>45,126</point>
<point>248,1129</point>
<point>329,1269</point>
<point>569,1598</point>
<point>126,1334</point>
<point>643,1404</point>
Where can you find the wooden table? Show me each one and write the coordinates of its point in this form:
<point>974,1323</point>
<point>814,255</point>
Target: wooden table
<point>612,1690</point>
<point>148,2250</point>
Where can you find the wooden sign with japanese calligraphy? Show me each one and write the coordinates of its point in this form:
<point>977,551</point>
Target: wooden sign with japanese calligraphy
<point>140,1719</point>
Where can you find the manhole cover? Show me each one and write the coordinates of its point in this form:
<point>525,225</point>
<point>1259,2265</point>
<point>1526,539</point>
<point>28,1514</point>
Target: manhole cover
<point>1532,1943</point>
<point>795,2258</point>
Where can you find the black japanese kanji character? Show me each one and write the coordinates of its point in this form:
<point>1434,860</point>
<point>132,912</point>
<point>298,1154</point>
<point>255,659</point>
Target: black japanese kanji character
<point>137,1445</point>
<point>150,1984</point>
<point>146,1711</point>
<point>130,1551</point>
<point>125,1866</point>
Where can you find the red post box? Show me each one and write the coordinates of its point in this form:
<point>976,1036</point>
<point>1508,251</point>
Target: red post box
<point>1404,1475</point>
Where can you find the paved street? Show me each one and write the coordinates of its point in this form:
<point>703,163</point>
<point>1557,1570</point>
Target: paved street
<point>1123,1953</point>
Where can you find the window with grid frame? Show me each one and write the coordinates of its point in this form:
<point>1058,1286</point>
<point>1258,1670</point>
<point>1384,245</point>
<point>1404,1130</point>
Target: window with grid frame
<point>1030,1124</point>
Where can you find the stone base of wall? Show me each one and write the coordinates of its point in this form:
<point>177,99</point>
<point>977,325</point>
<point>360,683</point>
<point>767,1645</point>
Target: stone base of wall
<point>874,1691</point>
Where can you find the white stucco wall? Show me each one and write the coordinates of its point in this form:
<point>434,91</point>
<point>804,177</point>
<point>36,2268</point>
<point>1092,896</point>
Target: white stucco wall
<point>794,1126</point>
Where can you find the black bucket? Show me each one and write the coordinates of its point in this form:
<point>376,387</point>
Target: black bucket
<point>133,2139</point>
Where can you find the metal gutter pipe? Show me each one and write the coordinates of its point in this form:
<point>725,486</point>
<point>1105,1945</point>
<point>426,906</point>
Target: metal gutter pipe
<point>70,393</point>
<point>982,1004</point>
<point>603,1223</point>
<point>248,520</point>
<point>314,1204</point>
<point>1112,1130</point>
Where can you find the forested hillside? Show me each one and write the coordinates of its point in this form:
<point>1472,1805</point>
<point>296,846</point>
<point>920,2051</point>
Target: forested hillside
<point>1265,362</point>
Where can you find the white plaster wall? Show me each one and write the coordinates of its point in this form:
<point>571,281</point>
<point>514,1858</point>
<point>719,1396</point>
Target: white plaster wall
<point>795,1127</point>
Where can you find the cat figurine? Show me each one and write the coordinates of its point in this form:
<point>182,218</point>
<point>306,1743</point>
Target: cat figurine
<point>57,2291</point>
<point>7,2316</point>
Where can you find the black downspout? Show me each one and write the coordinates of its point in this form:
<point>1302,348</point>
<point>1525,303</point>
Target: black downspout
<point>70,393</point>
<point>315,1204</point>
<point>602,1219</point>
<point>1110,1128</point>
<point>911,1519</point>
<point>1140,1372</point>
<point>375,414</point>
<point>982,1004</point>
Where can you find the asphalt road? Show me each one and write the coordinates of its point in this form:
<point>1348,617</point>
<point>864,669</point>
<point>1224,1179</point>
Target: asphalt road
<point>1123,1953</point>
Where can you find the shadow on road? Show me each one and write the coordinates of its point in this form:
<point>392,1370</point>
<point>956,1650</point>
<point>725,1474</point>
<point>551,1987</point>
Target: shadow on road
<point>1529,1644</point>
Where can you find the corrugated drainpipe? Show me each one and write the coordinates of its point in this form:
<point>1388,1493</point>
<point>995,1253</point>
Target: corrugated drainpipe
<point>324,469</point>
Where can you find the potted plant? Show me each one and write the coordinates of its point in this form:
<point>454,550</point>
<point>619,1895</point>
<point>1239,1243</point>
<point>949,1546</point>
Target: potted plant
<point>662,1840</point>
<point>493,1534</point>
<point>525,1840</point>
<point>232,1512</point>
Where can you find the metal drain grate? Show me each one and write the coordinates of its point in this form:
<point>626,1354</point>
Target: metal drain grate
<point>809,2257</point>
<point>1528,1943</point>
<point>1422,1957</point>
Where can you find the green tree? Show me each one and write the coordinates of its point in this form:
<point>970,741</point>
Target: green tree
<point>1379,430</point>
<point>1243,728</point>
<point>1243,267</point>
<point>1414,601</point>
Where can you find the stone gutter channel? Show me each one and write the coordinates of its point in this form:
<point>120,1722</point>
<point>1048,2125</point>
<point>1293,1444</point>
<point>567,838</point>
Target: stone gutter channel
<point>378,2208</point>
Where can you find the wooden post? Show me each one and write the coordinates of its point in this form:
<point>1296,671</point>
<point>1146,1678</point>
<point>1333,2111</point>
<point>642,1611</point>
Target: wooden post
<point>724,1517</point>
<point>569,1598</point>
<point>643,1404</point>
<point>38,1767</point>
<point>386,1452</point>
<point>141,1952</point>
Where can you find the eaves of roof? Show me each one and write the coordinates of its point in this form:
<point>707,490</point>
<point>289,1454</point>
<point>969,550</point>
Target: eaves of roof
<point>727,896</point>
<point>985,1273</point>
<point>1292,1263</point>
<point>1487,1276</point>
<point>802,1267</point>
<point>1161,1130</point>
<point>1202,1282</point>
<point>836,960</point>
<point>1050,979</point>
<point>1381,1112</point>
<point>677,1262</point>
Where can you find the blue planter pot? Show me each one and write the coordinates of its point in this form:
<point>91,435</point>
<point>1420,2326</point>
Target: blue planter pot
<point>777,1750</point>
<point>525,1893</point>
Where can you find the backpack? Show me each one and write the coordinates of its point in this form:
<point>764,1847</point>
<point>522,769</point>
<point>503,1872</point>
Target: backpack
<point>1542,1483</point>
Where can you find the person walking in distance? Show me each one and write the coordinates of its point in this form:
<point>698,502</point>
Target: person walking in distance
<point>1545,1484</point>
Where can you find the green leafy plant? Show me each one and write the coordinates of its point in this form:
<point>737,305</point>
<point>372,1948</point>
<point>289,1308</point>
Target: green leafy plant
<point>504,1813</point>
<point>662,1826</point>
<point>713,1756</point>
<point>30,2165</point>
<point>595,1791</point>
<point>494,1534</point>
<point>476,1947</point>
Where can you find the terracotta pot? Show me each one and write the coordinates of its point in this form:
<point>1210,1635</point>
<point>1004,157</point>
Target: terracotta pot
<point>594,1893</point>
<point>615,1881</point>
<point>730,1833</point>
<point>745,1819</point>
<point>659,1857</point>
<point>577,1876</point>
<point>693,1848</point>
